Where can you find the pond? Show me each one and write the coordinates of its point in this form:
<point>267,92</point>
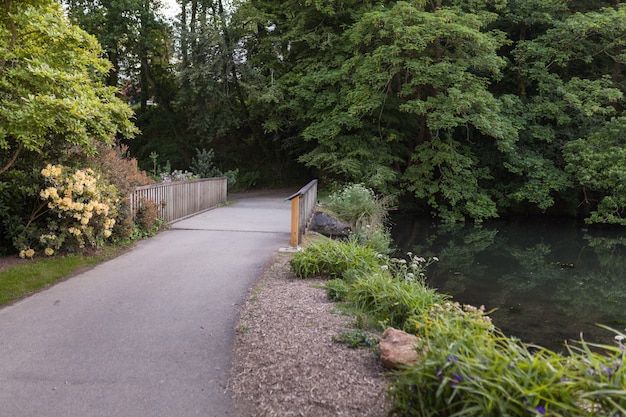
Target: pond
<point>549,280</point>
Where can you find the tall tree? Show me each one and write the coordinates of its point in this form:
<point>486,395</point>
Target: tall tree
<point>52,99</point>
<point>136,42</point>
<point>139,43</point>
<point>430,97</point>
<point>392,93</point>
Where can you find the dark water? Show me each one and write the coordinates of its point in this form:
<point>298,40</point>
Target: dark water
<point>550,280</point>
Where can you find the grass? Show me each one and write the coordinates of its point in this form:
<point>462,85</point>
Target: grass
<point>27,278</point>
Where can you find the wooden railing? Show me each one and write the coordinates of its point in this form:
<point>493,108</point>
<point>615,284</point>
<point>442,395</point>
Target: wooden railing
<point>302,210</point>
<point>180,199</point>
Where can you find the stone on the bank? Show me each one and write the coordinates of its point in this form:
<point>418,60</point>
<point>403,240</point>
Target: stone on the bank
<point>327,225</point>
<point>397,348</point>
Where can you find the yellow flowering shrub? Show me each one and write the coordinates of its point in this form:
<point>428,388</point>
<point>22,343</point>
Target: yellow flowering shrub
<point>84,208</point>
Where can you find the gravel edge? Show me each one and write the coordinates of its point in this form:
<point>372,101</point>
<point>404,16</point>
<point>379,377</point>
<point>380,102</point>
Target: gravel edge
<point>285,362</point>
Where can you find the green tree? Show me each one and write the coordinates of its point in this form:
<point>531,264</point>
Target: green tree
<point>473,107</point>
<point>398,93</point>
<point>135,40</point>
<point>570,87</point>
<point>50,84</point>
<point>223,91</point>
<point>139,44</point>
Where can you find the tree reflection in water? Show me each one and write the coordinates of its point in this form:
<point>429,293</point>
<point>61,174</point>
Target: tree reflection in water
<point>548,279</point>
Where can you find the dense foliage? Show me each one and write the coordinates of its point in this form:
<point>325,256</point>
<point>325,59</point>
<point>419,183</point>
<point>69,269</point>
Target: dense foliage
<point>474,108</point>
<point>468,109</point>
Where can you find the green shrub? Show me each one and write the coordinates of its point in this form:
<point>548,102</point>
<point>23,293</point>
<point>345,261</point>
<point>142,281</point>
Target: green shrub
<point>377,237</point>
<point>391,301</point>
<point>203,165</point>
<point>359,206</point>
<point>468,368</point>
<point>336,289</point>
<point>332,258</point>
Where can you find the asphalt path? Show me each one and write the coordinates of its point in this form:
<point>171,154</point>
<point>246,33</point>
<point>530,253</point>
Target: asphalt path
<point>149,333</point>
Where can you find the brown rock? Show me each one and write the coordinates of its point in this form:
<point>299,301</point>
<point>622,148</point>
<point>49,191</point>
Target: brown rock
<point>397,348</point>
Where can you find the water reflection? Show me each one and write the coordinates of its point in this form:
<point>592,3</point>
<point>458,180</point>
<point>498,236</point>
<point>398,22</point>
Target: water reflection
<point>549,280</point>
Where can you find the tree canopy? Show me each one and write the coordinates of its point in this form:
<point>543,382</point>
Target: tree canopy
<point>469,109</point>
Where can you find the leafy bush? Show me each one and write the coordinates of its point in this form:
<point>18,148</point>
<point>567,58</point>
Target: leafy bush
<point>147,219</point>
<point>204,167</point>
<point>332,258</point>
<point>248,180</point>
<point>468,368</point>
<point>19,189</point>
<point>377,237</point>
<point>117,167</point>
<point>336,289</point>
<point>359,206</point>
<point>356,339</point>
<point>366,213</point>
<point>202,164</point>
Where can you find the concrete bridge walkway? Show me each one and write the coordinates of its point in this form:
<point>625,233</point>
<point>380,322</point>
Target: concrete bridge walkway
<point>149,333</point>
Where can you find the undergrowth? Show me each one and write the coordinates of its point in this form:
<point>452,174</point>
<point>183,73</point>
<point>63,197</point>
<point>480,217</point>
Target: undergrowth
<point>466,367</point>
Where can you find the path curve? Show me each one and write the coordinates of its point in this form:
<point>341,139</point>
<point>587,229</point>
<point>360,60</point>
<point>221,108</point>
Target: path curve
<point>149,333</point>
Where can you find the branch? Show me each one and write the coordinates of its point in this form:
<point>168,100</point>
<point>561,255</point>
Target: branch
<point>12,161</point>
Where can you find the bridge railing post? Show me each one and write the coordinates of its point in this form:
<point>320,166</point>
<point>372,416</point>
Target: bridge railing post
<point>302,210</point>
<point>295,221</point>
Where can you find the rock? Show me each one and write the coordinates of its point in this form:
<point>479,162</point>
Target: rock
<point>327,225</point>
<point>397,348</point>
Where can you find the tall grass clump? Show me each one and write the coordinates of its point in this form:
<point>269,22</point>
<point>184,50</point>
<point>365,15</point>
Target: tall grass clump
<point>332,258</point>
<point>359,205</point>
<point>390,301</point>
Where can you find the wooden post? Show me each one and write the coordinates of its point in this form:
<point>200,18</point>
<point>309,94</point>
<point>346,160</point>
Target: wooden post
<point>295,210</point>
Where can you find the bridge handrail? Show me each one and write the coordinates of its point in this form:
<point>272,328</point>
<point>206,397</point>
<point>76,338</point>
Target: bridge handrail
<point>302,210</point>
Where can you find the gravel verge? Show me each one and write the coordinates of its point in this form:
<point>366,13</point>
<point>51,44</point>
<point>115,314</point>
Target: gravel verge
<point>285,361</point>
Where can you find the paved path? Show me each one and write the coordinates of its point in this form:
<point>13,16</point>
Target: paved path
<point>149,333</point>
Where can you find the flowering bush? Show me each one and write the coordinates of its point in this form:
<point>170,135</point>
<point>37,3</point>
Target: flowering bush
<point>117,167</point>
<point>412,270</point>
<point>178,175</point>
<point>83,208</point>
